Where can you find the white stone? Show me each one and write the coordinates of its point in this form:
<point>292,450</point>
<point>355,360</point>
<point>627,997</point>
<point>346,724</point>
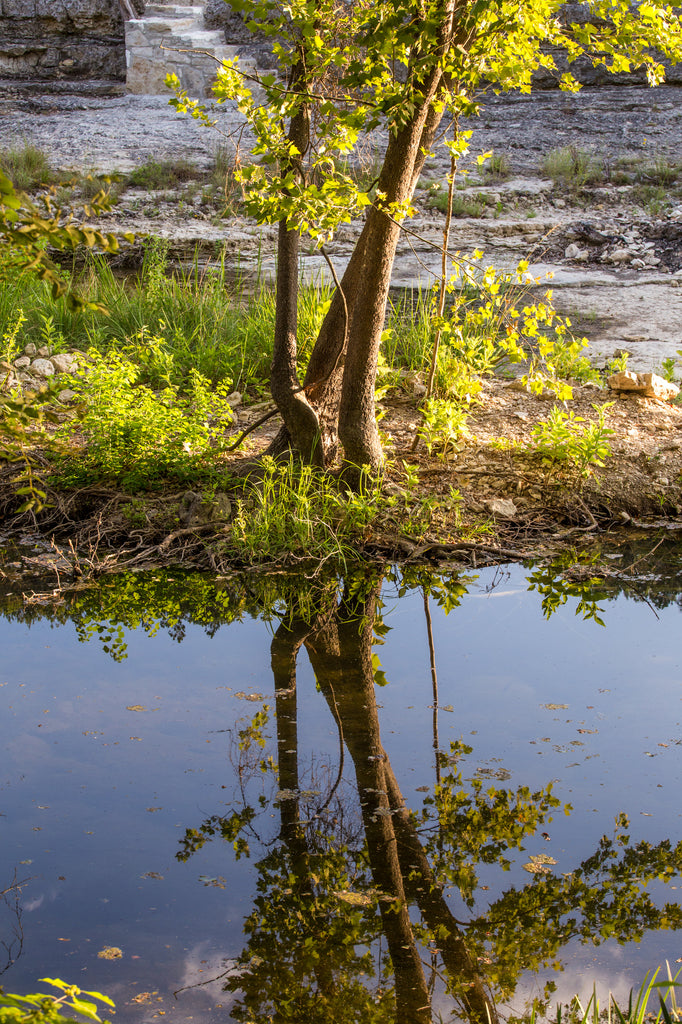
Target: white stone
<point>42,368</point>
<point>62,362</point>
<point>22,362</point>
<point>620,256</point>
<point>648,385</point>
<point>504,507</point>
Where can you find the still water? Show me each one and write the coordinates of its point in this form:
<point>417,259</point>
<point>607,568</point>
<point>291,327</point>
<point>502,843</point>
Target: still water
<point>252,799</point>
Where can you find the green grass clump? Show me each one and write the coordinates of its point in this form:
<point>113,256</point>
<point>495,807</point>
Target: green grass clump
<point>296,511</point>
<point>572,167</point>
<point>161,174</point>
<point>462,205</point>
<point>26,166</point>
<point>497,167</point>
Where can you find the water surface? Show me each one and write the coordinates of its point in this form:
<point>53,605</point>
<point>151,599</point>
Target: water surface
<point>261,785</point>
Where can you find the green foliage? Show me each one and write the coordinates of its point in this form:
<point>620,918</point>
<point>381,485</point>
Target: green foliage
<point>24,431</point>
<point>40,1008</point>
<point>568,440</point>
<point>138,436</point>
<point>444,424</point>
<point>297,512</point>
<point>26,228</point>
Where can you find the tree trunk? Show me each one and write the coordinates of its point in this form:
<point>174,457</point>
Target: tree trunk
<point>290,399</point>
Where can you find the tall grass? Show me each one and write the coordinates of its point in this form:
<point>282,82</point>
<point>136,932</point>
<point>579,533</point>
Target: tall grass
<point>201,319</point>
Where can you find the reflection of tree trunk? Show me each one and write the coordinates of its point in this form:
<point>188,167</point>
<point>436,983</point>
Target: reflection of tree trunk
<point>283,653</point>
<point>341,655</point>
<point>422,889</point>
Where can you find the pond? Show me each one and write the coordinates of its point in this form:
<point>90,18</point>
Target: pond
<point>383,798</point>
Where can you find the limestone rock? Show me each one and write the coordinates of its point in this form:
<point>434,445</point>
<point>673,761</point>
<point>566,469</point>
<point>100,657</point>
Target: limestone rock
<point>63,362</point>
<point>649,385</point>
<point>42,368</point>
<point>22,362</point>
<point>503,507</point>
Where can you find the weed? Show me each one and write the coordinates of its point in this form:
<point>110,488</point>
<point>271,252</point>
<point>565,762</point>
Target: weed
<point>296,510</point>
<point>669,366</point>
<point>443,424</point>
<point>161,174</point>
<point>572,167</point>
<point>139,437</point>
<point>653,198</point>
<point>566,439</point>
<point>497,168</point>
<point>26,166</point>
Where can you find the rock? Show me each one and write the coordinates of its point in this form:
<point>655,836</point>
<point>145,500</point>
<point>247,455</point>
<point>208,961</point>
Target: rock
<point>42,368</point>
<point>30,350</point>
<point>45,351</point>
<point>503,507</point>
<point>220,506</point>
<point>649,385</point>
<point>638,264</point>
<point>234,399</point>
<point>574,252</point>
<point>620,256</point>
<point>22,363</point>
<point>63,362</point>
<point>67,395</point>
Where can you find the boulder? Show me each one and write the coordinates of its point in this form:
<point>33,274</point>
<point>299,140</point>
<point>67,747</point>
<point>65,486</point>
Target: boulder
<point>648,385</point>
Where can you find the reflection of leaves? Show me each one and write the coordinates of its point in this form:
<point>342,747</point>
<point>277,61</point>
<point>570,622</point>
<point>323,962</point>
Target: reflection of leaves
<point>227,828</point>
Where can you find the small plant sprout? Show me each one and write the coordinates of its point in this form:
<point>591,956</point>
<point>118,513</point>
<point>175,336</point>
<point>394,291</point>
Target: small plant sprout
<point>568,440</point>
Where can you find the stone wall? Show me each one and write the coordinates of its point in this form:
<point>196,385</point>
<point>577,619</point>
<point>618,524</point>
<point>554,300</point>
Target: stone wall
<point>52,40</point>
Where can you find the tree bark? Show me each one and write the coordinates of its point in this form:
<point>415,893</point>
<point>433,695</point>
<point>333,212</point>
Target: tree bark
<point>297,413</point>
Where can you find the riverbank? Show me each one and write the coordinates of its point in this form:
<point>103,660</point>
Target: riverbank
<point>497,495</point>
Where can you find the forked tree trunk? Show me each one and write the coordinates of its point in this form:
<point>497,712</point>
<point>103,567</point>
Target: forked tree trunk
<point>345,354</point>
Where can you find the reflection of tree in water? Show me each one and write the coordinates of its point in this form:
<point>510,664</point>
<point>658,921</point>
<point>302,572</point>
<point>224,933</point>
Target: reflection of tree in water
<point>11,927</point>
<point>390,928</point>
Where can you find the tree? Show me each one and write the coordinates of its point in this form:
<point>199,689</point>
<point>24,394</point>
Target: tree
<point>349,68</point>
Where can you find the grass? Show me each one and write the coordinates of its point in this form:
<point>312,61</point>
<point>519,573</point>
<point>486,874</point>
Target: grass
<point>637,1010</point>
<point>572,167</point>
<point>27,166</point>
<point>462,205</point>
<point>163,174</point>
